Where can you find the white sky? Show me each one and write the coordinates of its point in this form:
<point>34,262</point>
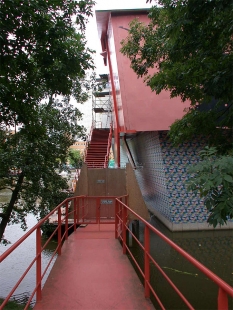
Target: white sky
<point>91,32</point>
<point>93,42</point>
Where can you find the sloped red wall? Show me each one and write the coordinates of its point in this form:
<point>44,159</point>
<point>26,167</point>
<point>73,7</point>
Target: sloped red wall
<point>139,109</point>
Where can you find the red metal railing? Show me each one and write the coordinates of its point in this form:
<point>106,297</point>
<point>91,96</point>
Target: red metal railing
<point>88,142</point>
<point>62,219</point>
<point>121,228</point>
<point>96,210</point>
<point>92,210</point>
<point>108,148</point>
<point>89,210</point>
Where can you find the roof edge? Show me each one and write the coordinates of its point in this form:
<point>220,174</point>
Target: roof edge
<point>123,10</point>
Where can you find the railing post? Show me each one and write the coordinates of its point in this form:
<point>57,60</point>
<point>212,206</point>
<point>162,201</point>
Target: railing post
<point>38,264</point>
<point>97,210</point>
<point>59,231</point>
<point>116,218</point>
<point>75,213</point>
<point>222,299</point>
<point>147,261</point>
<point>126,200</point>
<point>78,209</point>
<point>83,209</point>
<point>66,220</point>
<point>124,228</point>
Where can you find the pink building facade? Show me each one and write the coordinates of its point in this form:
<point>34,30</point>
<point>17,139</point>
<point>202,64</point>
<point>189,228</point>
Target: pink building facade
<point>136,107</point>
<point>141,123</point>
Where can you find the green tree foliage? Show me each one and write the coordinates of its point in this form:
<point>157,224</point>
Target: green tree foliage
<point>187,49</point>
<point>43,53</point>
<point>43,59</point>
<point>189,44</point>
<point>75,158</point>
<point>28,164</point>
<point>213,179</point>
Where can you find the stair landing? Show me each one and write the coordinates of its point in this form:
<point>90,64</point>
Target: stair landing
<point>93,274</point>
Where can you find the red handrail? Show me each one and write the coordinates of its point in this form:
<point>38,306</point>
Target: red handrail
<point>39,248</point>
<point>87,142</point>
<point>80,216</point>
<point>122,212</point>
<point>108,148</point>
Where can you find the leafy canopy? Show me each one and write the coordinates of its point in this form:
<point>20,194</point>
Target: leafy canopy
<point>43,58</point>
<point>213,179</point>
<point>189,44</point>
<point>42,54</point>
<point>187,49</point>
<point>75,158</point>
<point>29,165</point>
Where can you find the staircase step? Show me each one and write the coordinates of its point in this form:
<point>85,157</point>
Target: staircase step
<point>98,152</point>
<point>95,161</point>
<point>97,149</point>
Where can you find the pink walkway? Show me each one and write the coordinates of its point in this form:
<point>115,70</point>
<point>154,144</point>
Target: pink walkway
<point>92,273</point>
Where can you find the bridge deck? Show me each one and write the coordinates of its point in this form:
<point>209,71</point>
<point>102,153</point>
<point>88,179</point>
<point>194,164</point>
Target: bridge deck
<point>92,273</point>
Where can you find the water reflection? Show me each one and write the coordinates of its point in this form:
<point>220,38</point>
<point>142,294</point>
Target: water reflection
<point>214,249</point>
<point>5,195</point>
<point>14,266</point>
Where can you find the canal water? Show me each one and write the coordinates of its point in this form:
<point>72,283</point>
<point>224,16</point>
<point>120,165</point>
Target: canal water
<point>214,249</point>
<point>12,268</point>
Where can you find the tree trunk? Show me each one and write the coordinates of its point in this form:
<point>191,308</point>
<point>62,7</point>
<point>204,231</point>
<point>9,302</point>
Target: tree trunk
<point>14,196</point>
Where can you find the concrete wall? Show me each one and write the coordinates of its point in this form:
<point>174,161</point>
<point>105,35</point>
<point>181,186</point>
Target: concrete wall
<point>135,200</point>
<point>101,182</point>
<point>82,183</point>
<point>113,182</point>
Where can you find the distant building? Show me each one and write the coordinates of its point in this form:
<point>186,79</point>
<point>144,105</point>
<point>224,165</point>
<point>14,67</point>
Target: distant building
<point>79,146</point>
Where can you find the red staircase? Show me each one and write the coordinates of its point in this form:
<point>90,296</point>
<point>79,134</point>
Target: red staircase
<point>97,148</point>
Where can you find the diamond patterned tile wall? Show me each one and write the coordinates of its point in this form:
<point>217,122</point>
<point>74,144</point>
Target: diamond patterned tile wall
<point>161,174</point>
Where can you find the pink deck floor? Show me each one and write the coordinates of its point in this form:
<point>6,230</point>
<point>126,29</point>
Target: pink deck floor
<point>92,273</point>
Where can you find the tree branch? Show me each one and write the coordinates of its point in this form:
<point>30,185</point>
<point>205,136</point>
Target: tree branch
<point>2,188</point>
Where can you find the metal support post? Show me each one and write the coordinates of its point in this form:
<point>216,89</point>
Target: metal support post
<point>38,264</point>
<point>75,213</point>
<point>222,299</point>
<point>124,229</point>
<point>147,261</point>
<point>83,208</point>
<point>59,231</point>
<point>116,218</point>
<point>66,220</point>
